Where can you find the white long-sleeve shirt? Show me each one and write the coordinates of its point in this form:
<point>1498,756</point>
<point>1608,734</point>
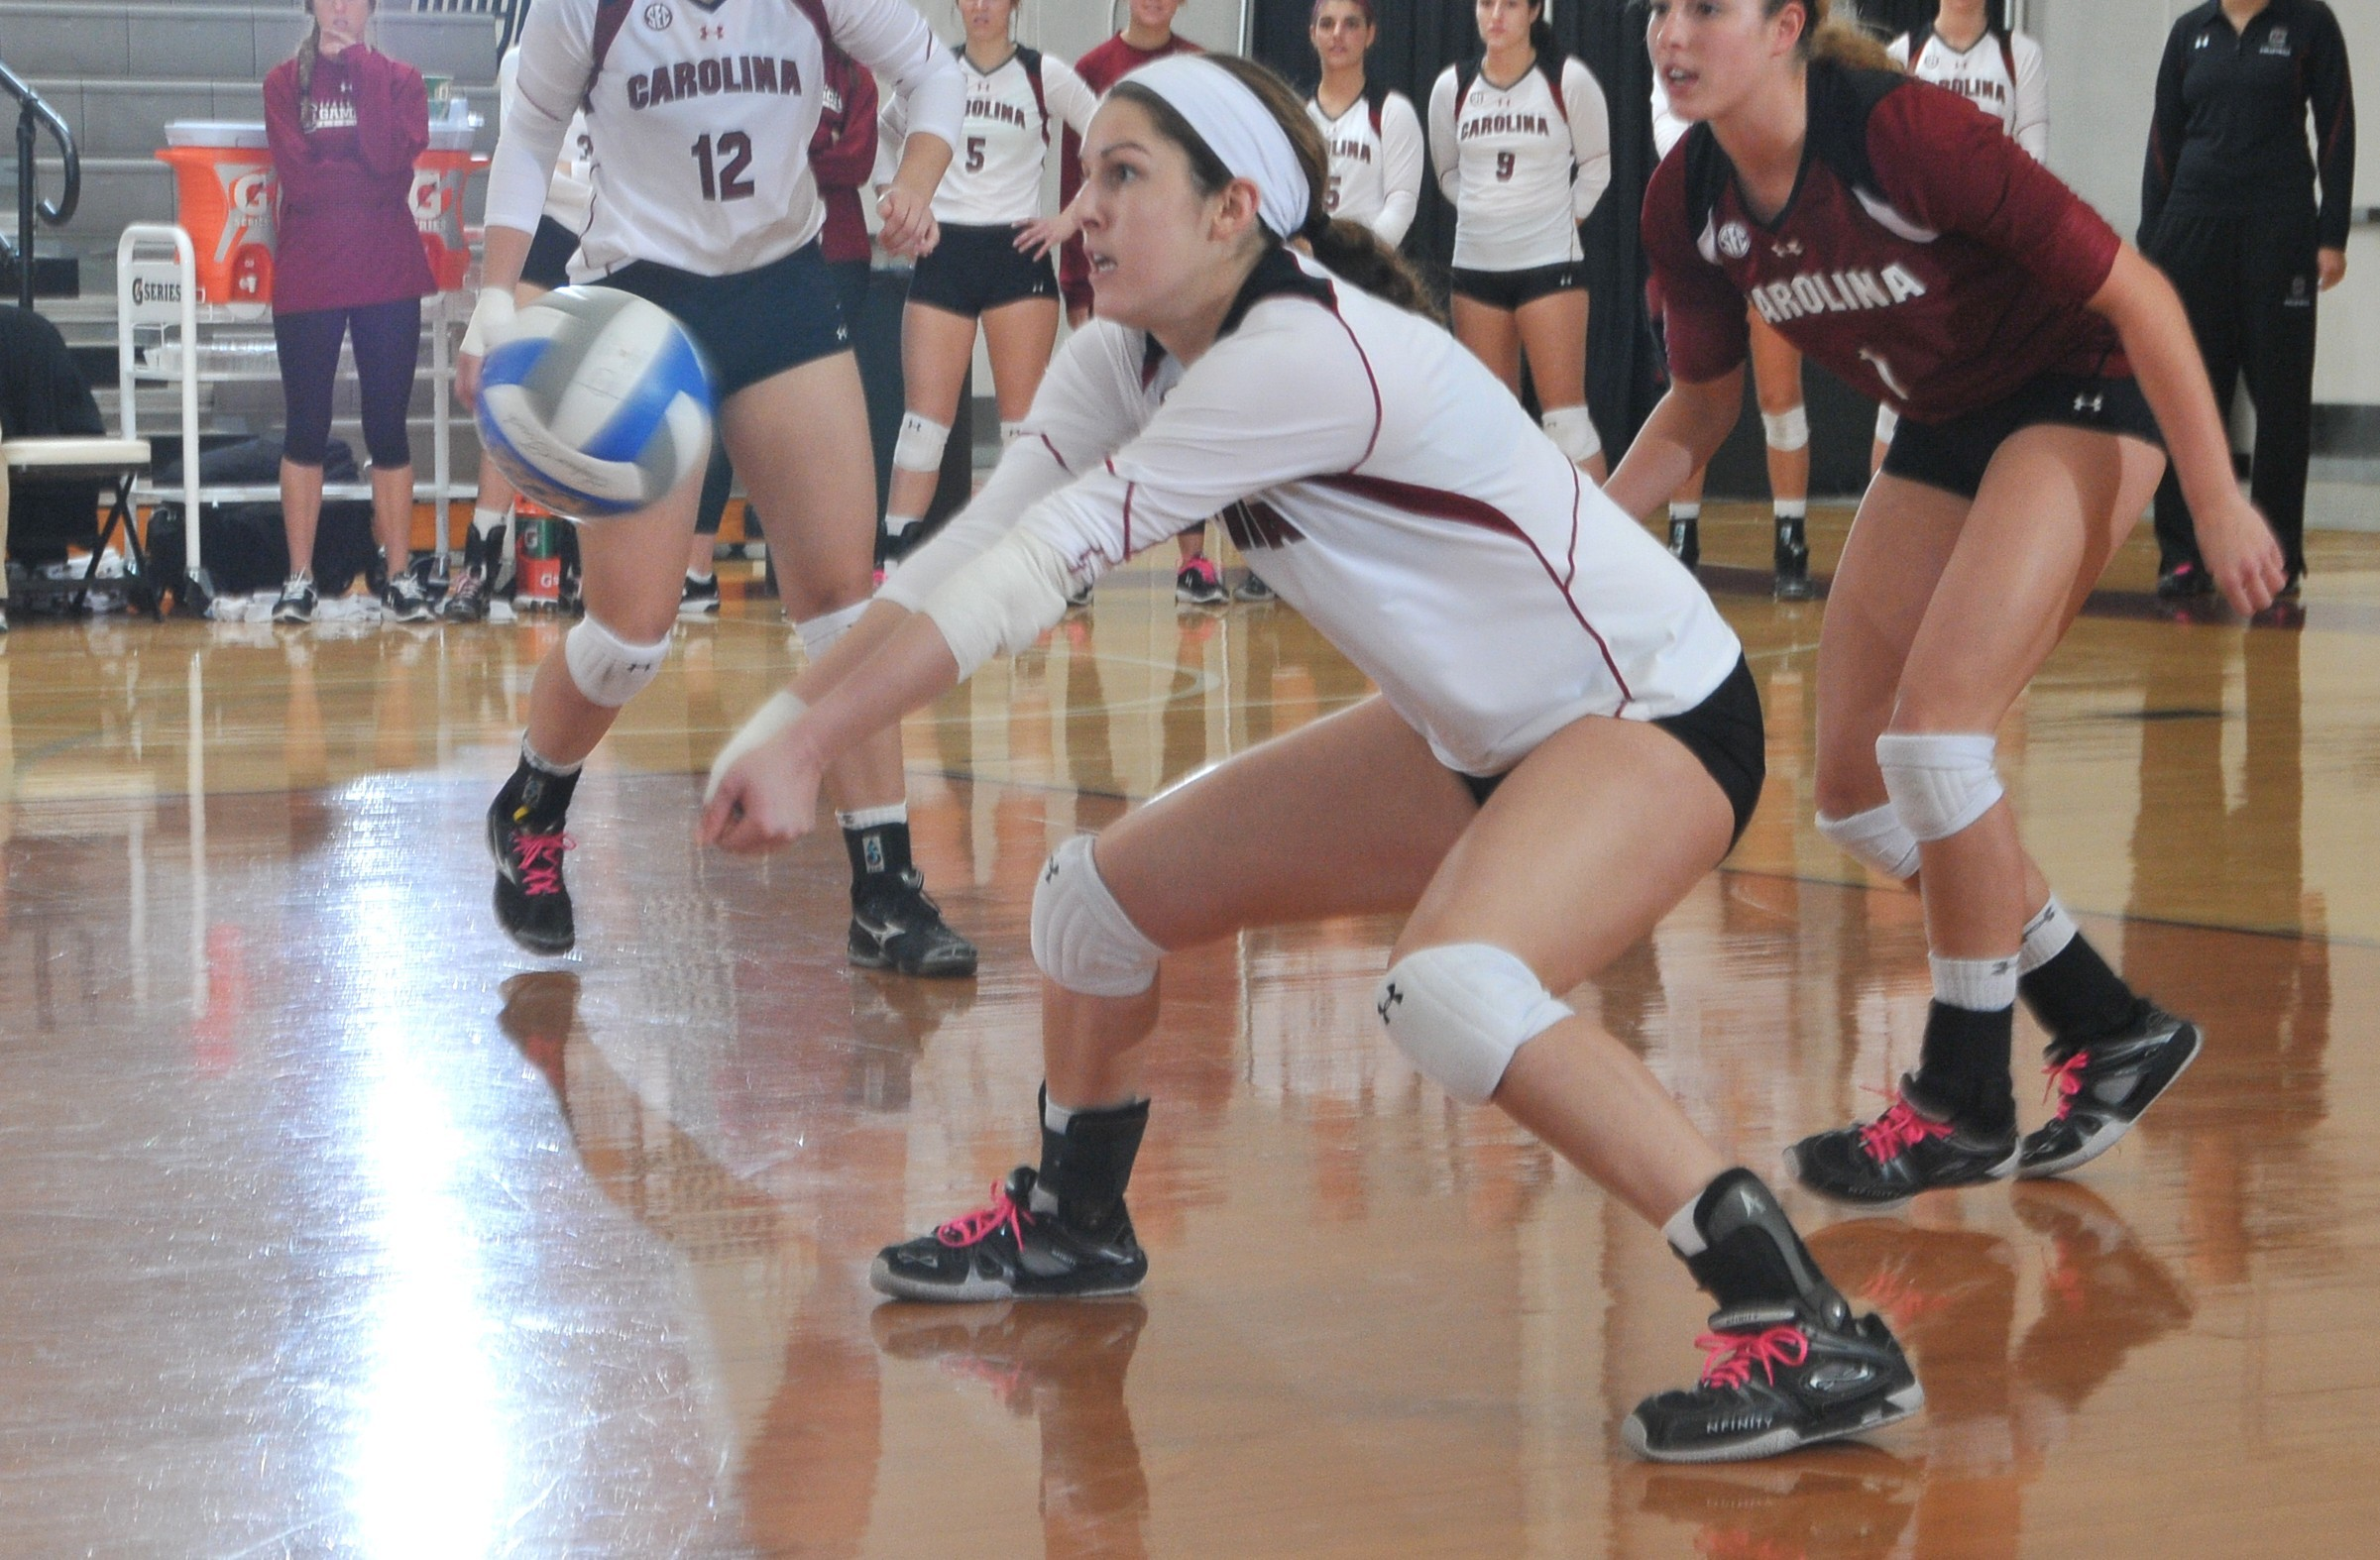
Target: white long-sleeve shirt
<point>2018,98</point>
<point>1522,170</point>
<point>1383,483</point>
<point>701,121</point>
<point>570,200</point>
<point>1374,169</point>
<point>1005,139</point>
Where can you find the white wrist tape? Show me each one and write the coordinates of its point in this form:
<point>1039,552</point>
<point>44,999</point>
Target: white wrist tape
<point>491,322</point>
<point>1002,602</point>
<point>767,723</point>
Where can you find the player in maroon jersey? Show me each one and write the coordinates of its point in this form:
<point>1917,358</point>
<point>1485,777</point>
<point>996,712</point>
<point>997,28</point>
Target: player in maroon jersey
<point>1892,232</point>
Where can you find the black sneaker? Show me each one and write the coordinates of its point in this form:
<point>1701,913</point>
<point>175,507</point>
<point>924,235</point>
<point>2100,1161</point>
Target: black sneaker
<point>466,601</point>
<point>406,600</point>
<point>1793,582</point>
<point>1080,595</point>
<point>533,904</point>
<point>2103,1086</point>
<point>899,927</point>
<point>699,597</point>
<point>1899,1155</point>
<point>1252,589</point>
<point>298,599</point>
<point>1779,1377</point>
<point>1007,1252</point>
<point>2182,581</point>
<point>1199,584</point>
<point>1686,541</point>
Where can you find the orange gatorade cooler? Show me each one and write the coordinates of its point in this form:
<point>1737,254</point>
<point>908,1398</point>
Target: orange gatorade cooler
<point>224,193</point>
<point>438,178</point>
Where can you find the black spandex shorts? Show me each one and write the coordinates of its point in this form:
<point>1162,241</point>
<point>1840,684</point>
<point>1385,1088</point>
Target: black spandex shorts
<point>753,323</point>
<point>550,248</point>
<point>1508,289</point>
<point>1952,455</point>
<point>1724,731</point>
<point>976,268</point>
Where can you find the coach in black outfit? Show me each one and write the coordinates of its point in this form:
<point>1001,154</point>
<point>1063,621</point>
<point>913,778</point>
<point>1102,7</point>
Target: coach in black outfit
<point>2228,207</point>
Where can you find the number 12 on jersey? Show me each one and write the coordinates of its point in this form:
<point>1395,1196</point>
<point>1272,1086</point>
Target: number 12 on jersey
<point>726,181</point>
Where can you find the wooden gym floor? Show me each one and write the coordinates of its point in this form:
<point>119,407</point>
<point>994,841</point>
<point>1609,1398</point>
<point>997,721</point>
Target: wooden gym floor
<point>330,1224</point>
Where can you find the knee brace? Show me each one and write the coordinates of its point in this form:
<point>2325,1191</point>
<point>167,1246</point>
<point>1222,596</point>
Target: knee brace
<point>781,711</point>
<point>1887,423</point>
<point>1081,937</point>
<point>1572,429</point>
<point>1010,432</point>
<point>818,633</point>
<point>919,448</point>
<point>1459,1011</point>
<point>1939,782</point>
<point>1878,838</point>
<point>608,669</point>
<point>1788,430</point>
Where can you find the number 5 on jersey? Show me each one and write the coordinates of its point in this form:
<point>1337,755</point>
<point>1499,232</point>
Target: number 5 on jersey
<point>726,183</point>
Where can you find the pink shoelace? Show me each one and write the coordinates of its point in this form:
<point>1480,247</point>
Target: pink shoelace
<point>1899,1130</point>
<point>1734,1354</point>
<point>2065,1081</point>
<point>1004,1213</point>
<point>540,858</point>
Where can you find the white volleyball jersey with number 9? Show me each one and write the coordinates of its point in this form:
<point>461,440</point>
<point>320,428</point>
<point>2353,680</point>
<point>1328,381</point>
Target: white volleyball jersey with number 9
<point>700,118</point>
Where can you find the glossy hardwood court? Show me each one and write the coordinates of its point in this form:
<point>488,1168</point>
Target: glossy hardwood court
<point>330,1224</point>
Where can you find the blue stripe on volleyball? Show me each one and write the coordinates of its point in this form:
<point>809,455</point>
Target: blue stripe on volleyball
<point>558,497</point>
<point>675,371</point>
<point>512,361</point>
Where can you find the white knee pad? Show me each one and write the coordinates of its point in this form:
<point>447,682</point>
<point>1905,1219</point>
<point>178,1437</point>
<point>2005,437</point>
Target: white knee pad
<point>1878,838</point>
<point>1939,782</point>
<point>1081,937</point>
<point>1572,429</point>
<point>766,722</point>
<point>1788,430</point>
<point>608,669</point>
<point>1458,1012</point>
<point>1887,423</point>
<point>1010,432</point>
<point>818,633</point>
<point>919,448</point>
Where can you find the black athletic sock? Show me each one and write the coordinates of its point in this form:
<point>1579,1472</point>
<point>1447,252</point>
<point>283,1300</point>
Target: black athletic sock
<point>2076,997</point>
<point>538,796</point>
<point>1753,1256</point>
<point>879,855</point>
<point>1085,1166</point>
<point>1963,1066</point>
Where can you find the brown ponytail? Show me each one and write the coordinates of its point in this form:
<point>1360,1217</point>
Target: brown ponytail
<point>1838,39</point>
<point>307,52</point>
<point>1350,250</point>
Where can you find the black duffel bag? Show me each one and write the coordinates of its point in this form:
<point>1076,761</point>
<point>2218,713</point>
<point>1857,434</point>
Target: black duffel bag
<point>244,547</point>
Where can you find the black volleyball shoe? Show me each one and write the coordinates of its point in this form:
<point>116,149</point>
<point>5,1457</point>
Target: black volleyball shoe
<point>524,834</point>
<point>1900,1154</point>
<point>1793,582</point>
<point>1685,540</point>
<point>1005,1251</point>
<point>895,925</point>
<point>1779,1377</point>
<point>2104,1086</point>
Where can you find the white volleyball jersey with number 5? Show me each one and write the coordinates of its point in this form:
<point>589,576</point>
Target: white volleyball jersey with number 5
<point>1004,143</point>
<point>1375,167</point>
<point>1522,169</point>
<point>701,116</point>
<point>1379,478</point>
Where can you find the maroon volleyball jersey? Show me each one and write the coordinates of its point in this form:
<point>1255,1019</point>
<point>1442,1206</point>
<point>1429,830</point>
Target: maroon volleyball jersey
<point>1924,256</point>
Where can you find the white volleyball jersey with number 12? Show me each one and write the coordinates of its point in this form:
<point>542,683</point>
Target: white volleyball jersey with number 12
<point>1004,144</point>
<point>702,118</point>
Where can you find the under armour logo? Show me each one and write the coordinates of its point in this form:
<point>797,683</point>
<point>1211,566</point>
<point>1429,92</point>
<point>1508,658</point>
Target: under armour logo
<point>2089,401</point>
<point>1389,999</point>
<point>1048,872</point>
<point>1788,248</point>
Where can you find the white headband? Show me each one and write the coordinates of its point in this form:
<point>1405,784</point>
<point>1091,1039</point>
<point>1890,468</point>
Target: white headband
<point>1238,127</point>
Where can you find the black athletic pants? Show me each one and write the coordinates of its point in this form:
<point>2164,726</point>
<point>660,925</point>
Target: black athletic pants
<point>2248,283</point>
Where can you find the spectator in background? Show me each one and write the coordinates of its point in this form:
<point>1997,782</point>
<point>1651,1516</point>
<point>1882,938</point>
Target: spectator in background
<point>346,124</point>
<point>2228,207</point>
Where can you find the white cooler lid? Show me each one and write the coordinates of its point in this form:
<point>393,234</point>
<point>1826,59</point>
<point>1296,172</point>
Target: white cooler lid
<point>215,133</point>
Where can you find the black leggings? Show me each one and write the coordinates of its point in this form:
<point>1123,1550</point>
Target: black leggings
<point>387,344</point>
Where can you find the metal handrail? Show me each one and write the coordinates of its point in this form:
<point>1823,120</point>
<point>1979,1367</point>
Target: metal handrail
<point>34,108</point>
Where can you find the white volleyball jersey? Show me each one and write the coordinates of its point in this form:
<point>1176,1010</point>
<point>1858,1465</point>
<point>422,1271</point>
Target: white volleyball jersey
<point>1379,478</point>
<point>700,117</point>
<point>1004,143</point>
<point>1374,169</point>
<point>2004,74</point>
<point>1522,168</point>
<point>570,198</point>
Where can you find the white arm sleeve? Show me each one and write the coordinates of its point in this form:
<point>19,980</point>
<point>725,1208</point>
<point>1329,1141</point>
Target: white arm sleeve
<point>1444,155</point>
<point>1590,136</point>
<point>1071,99</point>
<point>556,66</point>
<point>1004,602</point>
<point>1399,168</point>
<point>2032,123</point>
<point>893,41</point>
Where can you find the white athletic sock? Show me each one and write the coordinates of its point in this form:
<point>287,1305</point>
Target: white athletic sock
<point>1791,509</point>
<point>1684,1236</point>
<point>544,765</point>
<point>874,816</point>
<point>1054,1115</point>
<point>485,520</point>
<point>1979,985</point>
<point>2046,936</point>
<point>896,526</point>
<point>1685,512</point>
